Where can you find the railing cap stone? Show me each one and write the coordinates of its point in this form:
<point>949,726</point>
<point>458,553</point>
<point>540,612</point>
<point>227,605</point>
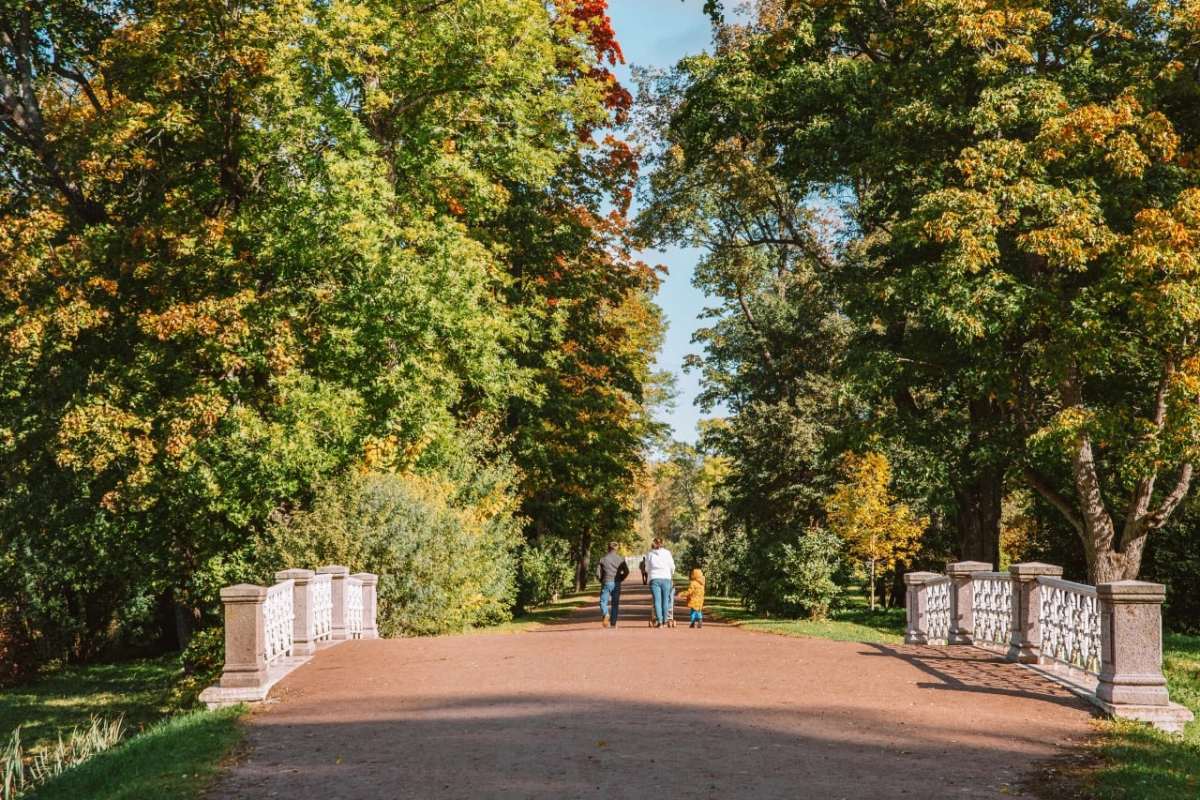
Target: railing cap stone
<point>967,567</point>
<point>294,575</point>
<point>334,569</point>
<point>243,593</point>
<point>367,578</point>
<point>1033,569</point>
<point>1132,592</point>
<point>913,578</point>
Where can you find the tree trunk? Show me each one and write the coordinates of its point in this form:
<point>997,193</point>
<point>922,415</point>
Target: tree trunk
<point>872,606</point>
<point>1111,558</point>
<point>978,504</point>
<point>583,561</point>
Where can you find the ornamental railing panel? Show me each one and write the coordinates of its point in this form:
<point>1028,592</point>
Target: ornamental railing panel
<point>1070,624</point>
<point>937,609</point>
<point>322,600</point>
<point>278,618</point>
<point>991,607</point>
<point>354,608</point>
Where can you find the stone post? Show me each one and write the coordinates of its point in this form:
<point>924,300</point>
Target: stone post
<point>302,607</point>
<point>337,587</point>
<point>962,593</point>
<point>1025,642</point>
<point>245,636</point>
<point>916,606</point>
<point>1131,643</point>
<point>370,582</point>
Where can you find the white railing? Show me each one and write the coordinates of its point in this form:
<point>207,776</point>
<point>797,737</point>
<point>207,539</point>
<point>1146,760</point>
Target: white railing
<point>1104,642</point>
<point>938,610</point>
<point>322,599</point>
<point>278,617</point>
<point>1070,624</point>
<point>991,607</point>
<point>354,608</point>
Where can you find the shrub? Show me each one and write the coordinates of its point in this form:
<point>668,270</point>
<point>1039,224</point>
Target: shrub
<point>544,571</point>
<point>809,567</point>
<point>444,550</point>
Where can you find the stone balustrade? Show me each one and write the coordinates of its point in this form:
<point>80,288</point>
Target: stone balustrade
<point>269,631</point>
<point>1102,642</point>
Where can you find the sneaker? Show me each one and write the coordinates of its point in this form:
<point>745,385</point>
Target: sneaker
<point>699,623</point>
<point>605,622</point>
<point>692,625</point>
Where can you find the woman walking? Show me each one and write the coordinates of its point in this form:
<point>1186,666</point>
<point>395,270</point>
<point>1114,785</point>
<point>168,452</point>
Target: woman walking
<point>660,567</point>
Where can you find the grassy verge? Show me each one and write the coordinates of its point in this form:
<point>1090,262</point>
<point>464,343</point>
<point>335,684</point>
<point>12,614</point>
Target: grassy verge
<point>163,754</point>
<point>852,624</point>
<point>143,691</point>
<point>1140,762</point>
<point>542,615</point>
<point>173,760</point>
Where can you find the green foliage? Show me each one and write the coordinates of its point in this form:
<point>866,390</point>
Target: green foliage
<point>544,572</point>
<point>445,551</point>
<point>809,567</point>
<point>249,250</point>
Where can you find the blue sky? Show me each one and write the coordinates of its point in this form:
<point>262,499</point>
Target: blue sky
<point>658,33</point>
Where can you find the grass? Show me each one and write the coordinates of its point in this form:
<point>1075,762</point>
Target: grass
<point>173,760</point>
<point>142,691</point>
<point>852,624</point>
<point>1141,762</point>
<point>164,754</point>
<point>541,615</point>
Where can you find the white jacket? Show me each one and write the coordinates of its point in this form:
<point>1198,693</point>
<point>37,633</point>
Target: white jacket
<point>660,564</point>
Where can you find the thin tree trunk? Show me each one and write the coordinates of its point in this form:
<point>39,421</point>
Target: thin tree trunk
<point>583,561</point>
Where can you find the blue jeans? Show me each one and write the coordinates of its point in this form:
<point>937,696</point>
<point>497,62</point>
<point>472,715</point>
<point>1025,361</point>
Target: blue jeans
<point>661,589</point>
<point>610,591</point>
<point>697,616</point>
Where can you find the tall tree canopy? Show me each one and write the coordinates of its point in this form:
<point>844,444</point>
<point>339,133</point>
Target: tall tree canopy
<point>1016,186</point>
<point>247,246</point>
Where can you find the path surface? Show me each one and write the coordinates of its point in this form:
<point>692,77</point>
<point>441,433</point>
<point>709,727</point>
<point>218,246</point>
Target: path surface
<point>571,710</point>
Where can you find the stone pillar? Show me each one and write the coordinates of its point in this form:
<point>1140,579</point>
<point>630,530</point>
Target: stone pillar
<point>370,582</point>
<point>337,587</point>
<point>302,607</point>
<point>962,593</point>
<point>916,606</point>
<point>1131,643</point>
<point>245,636</point>
<point>1025,642</point>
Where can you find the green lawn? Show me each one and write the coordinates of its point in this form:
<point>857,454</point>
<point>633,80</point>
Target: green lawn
<point>1140,762</point>
<point>143,691</point>
<point>852,624</point>
<point>174,759</point>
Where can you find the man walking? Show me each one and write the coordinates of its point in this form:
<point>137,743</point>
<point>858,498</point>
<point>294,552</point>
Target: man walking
<point>611,570</point>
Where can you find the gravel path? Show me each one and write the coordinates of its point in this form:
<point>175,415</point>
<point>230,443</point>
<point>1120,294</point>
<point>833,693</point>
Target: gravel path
<point>572,710</point>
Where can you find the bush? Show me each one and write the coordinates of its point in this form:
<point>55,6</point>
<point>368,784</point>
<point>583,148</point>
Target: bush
<point>445,551</point>
<point>809,567</point>
<point>544,571</point>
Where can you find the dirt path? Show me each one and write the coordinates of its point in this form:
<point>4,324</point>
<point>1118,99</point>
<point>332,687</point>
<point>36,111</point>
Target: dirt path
<point>575,710</point>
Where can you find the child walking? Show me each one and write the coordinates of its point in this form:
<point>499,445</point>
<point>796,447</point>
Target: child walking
<point>694,597</point>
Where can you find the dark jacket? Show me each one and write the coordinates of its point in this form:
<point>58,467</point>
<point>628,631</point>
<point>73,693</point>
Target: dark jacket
<point>612,568</point>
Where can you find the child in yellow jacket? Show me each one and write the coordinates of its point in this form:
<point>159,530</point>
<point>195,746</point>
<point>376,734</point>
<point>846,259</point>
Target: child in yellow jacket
<point>694,597</point>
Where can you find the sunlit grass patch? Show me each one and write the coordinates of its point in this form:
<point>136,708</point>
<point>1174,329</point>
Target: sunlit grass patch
<point>541,615</point>
<point>140,692</point>
<point>173,760</point>
<point>852,624</point>
<point>1141,762</point>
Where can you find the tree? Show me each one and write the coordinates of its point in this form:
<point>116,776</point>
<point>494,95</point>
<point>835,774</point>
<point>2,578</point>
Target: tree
<point>861,510</point>
<point>1019,187</point>
<point>247,248</point>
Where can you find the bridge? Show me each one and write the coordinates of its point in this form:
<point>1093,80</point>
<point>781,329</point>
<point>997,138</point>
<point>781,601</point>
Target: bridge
<point>572,709</point>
